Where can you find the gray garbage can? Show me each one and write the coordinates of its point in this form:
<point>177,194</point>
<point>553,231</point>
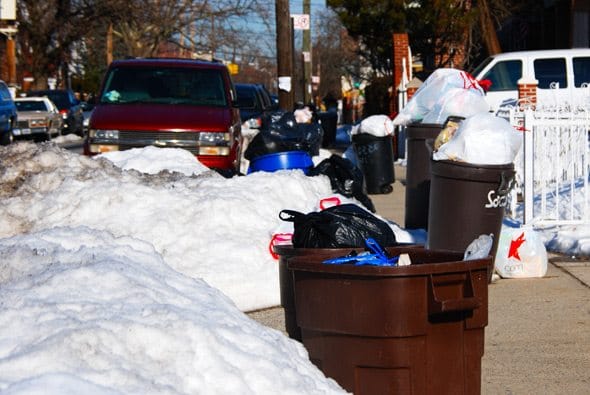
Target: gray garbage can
<point>375,158</point>
<point>420,139</point>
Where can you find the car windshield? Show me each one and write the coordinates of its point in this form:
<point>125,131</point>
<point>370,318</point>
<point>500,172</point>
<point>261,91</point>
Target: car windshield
<point>30,106</point>
<point>164,85</point>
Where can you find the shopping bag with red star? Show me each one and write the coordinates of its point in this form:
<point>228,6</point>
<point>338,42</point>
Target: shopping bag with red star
<point>521,253</point>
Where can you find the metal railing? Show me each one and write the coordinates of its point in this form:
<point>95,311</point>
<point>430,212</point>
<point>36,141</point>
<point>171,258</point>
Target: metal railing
<point>553,168</point>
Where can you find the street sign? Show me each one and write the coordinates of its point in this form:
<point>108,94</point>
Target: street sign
<point>300,21</point>
<point>233,68</point>
<point>8,10</point>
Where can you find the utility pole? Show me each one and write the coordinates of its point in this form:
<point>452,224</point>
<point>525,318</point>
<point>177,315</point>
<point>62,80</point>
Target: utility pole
<point>307,55</point>
<point>284,54</point>
<point>8,27</point>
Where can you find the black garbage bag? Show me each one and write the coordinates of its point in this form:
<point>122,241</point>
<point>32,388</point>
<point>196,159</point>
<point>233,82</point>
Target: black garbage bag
<point>343,226</point>
<point>286,135</point>
<point>345,179</point>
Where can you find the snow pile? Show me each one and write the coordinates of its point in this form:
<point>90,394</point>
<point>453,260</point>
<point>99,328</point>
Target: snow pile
<point>85,312</point>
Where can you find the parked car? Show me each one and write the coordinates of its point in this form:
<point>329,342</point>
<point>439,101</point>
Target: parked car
<point>255,105</point>
<point>68,106</point>
<point>87,109</point>
<point>563,76</point>
<point>38,118</point>
<point>8,115</point>
<point>182,103</point>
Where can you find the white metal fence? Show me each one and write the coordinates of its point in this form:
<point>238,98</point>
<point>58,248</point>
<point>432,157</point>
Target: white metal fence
<point>554,166</point>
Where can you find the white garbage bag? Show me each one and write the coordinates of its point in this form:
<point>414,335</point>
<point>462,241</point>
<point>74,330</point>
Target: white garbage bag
<point>482,139</point>
<point>434,89</point>
<point>376,125</point>
<point>457,102</point>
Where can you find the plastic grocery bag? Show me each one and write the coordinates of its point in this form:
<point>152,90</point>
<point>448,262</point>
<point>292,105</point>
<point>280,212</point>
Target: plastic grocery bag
<point>345,225</point>
<point>479,248</point>
<point>376,125</point>
<point>521,253</point>
<point>482,139</point>
<point>434,89</point>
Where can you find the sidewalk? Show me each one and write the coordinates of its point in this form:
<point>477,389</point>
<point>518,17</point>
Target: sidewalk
<point>538,336</point>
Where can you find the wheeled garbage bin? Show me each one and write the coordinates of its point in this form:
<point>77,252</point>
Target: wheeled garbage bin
<point>375,158</point>
<point>466,201</point>
<point>329,121</point>
<point>416,329</point>
<point>420,140</point>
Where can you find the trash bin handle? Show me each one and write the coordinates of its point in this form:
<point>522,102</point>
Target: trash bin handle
<point>506,183</point>
<point>437,306</point>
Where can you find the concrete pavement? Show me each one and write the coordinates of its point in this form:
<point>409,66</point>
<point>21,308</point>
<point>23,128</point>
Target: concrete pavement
<point>538,336</point>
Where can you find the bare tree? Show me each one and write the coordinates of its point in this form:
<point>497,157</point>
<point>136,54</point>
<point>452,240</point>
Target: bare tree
<point>335,55</point>
<point>47,31</point>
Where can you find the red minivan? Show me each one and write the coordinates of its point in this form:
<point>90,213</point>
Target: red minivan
<point>181,103</point>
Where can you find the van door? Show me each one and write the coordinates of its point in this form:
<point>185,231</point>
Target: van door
<point>504,76</point>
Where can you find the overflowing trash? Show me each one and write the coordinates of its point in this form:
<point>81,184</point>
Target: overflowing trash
<point>287,134</point>
<point>480,139</point>
<point>446,92</point>
<point>457,102</point>
<point>372,142</point>
<point>375,125</point>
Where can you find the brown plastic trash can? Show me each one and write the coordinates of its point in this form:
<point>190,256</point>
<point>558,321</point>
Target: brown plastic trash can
<point>286,251</point>
<point>466,201</point>
<point>420,140</point>
<point>287,293</point>
<point>415,329</point>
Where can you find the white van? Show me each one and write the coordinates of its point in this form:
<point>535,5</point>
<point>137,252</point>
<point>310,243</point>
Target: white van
<point>563,76</point>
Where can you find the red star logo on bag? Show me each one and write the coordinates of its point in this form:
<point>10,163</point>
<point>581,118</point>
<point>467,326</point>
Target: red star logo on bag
<point>515,245</point>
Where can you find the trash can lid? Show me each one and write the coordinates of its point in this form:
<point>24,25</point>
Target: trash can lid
<point>472,172</point>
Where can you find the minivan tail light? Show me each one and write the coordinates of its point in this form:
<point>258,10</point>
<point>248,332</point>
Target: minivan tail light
<point>254,123</point>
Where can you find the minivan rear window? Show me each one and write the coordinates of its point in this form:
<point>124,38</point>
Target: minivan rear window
<point>164,85</point>
<point>581,71</point>
<point>504,75</point>
<point>550,73</point>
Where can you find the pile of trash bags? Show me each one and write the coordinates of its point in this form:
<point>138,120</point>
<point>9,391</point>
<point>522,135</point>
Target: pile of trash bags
<point>292,131</point>
<point>300,131</point>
